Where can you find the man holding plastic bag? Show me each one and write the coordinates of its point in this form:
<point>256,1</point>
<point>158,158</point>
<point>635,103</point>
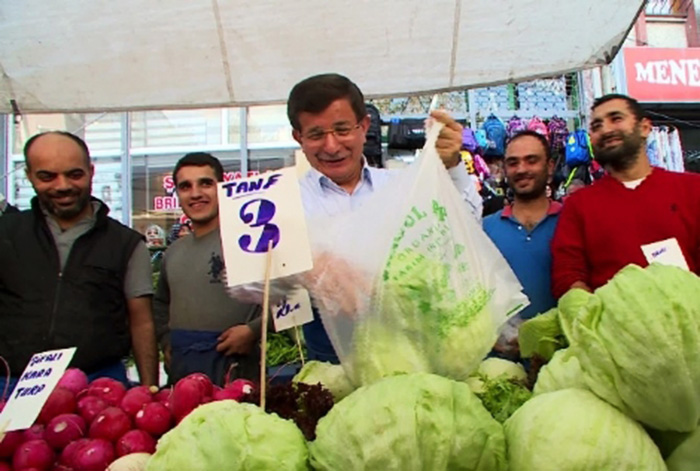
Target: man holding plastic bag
<point>404,278</point>
<point>329,120</point>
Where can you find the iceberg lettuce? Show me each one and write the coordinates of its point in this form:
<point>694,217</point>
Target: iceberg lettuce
<point>637,339</point>
<point>226,435</point>
<point>411,422</point>
<point>574,430</point>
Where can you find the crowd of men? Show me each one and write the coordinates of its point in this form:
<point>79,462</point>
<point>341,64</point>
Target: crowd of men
<point>70,276</point>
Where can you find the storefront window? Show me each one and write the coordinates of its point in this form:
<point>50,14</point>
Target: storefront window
<point>234,125</point>
<point>268,125</point>
<point>271,159</point>
<point>167,128</point>
<point>101,131</point>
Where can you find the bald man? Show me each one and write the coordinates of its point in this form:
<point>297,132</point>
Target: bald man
<point>70,276</point>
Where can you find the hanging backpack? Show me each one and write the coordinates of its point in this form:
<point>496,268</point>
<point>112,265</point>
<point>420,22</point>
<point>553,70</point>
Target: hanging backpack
<point>481,140</point>
<point>514,126</point>
<point>373,138</point>
<point>578,151</point>
<point>538,126</point>
<point>407,133</point>
<point>469,140</point>
<point>480,166</point>
<point>495,135</point>
<point>558,134</point>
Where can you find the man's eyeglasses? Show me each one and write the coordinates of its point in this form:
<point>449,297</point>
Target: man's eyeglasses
<point>340,132</point>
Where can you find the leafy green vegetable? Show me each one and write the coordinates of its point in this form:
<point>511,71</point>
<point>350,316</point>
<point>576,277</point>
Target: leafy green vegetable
<point>574,430</point>
<point>502,396</point>
<point>638,341</point>
<point>282,349</point>
<point>571,306</point>
<point>420,324</point>
<point>494,368</point>
<point>469,339</point>
<point>226,435</point>
<point>380,352</point>
<point>302,403</point>
<point>562,372</point>
<point>330,376</point>
<point>409,423</point>
<point>541,335</point>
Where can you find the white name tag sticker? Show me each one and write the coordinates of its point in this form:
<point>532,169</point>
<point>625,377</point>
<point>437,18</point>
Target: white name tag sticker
<point>666,252</point>
<point>256,212</point>
<point>293,310</point>
<point>35,385</point>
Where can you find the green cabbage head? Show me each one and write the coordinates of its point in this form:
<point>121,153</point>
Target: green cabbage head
<point>411,422</point>
<point>226,435</point>
<point>638,341</point>
<point>574,430</point>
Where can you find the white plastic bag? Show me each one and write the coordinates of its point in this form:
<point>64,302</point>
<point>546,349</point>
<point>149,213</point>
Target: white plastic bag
<point>410,282</point>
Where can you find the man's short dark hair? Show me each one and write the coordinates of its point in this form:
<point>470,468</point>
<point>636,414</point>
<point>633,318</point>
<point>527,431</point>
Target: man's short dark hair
<point>200,159</point>
<point>315,94</point>
<point>536,135</point>
<point>632,104</point>
<point>81,143</point>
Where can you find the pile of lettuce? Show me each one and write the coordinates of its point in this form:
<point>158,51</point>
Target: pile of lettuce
<point>634,344</point>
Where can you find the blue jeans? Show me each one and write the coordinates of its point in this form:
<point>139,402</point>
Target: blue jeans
<point>115,371</point>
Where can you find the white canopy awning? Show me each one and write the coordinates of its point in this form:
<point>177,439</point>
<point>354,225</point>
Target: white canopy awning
<point>102,55</point>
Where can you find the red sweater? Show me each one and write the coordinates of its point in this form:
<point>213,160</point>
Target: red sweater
<point>602,228</point>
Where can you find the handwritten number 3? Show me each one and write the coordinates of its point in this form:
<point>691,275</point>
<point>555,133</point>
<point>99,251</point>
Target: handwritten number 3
<point>265,213</point>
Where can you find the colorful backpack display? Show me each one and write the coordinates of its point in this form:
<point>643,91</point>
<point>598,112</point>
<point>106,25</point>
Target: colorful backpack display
<point>469,142</point>
<point>558,134</point>
<point>578,149</point>
<point>481,140</point>
<point>514,126</point>
<point>538,126</point>
<point>495,135</point>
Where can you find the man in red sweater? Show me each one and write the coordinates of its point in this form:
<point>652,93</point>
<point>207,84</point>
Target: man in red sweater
<point>603,228</point>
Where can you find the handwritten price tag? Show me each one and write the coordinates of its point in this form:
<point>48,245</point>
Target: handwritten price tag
<point>39,378</point>
<point>665,252</point>
<point>255,212</point>
<point>294,310</point>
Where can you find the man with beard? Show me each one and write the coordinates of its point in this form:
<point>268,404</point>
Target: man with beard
<point>200,328</point>
<point>70,276</point>
<point>605,226</point>
<point>329,120</point>
<point>523,230</point>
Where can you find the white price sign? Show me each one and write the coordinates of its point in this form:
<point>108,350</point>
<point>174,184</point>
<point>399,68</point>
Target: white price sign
<point>35,385</point>
<point>293,310</point>
<point>256,212</point>
<point>665,252</point>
